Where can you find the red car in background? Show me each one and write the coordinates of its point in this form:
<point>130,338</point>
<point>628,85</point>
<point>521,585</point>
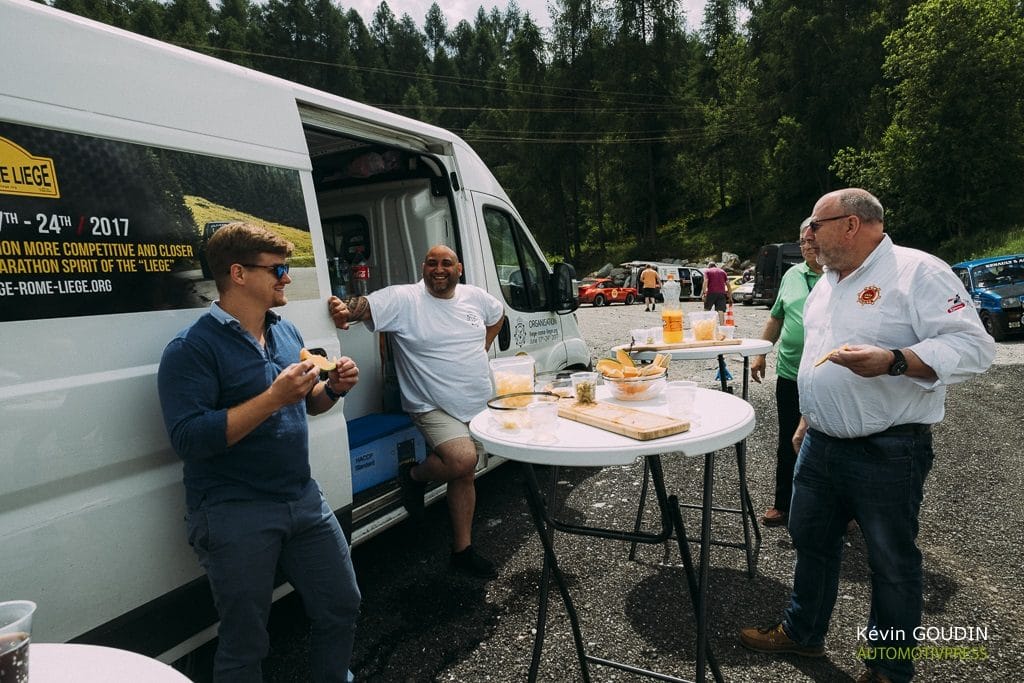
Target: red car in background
<point>601,291</point>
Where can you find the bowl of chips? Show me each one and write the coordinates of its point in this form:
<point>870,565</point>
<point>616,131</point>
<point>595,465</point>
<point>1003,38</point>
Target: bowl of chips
<point>639,388</point>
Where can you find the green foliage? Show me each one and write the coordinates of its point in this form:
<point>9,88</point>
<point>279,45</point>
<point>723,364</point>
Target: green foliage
<point>620,134</point>
<point>951,162</point>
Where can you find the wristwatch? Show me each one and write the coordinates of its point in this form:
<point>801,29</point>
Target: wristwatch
<point>331,394</point>
<point>899,363</point>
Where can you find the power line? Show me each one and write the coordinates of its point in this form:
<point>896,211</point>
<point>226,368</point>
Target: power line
<point>577,94</point>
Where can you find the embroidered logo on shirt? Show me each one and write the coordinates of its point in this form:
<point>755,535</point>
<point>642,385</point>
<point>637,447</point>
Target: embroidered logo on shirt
<point>869,295</point>
<point>955,303</point>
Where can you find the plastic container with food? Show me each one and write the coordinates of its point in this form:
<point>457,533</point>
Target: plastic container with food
<point>512,374</point>
<point>509,410</point>
<point>635,388</point>
<point>584,386</point>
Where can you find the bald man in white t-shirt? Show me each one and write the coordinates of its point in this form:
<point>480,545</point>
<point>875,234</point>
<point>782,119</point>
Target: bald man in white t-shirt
<point>441,330</point>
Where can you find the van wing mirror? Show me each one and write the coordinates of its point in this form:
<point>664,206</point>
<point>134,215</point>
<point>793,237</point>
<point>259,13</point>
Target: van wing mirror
<point>564,297</point>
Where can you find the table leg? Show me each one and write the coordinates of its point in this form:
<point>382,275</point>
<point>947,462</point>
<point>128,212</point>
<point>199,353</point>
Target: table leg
<point>640,508</point>
<point>747,512</point>
<point>545,582</point>
<point>746,376</point>
<point>705,562</point>
<point>696,581</point>
<point>746,504</point>
<point>536,505</point>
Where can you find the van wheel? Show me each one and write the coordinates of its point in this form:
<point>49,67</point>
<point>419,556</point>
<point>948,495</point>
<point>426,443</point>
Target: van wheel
<point>598,300</point>
<point>993,326</point>
<point>630,299</point>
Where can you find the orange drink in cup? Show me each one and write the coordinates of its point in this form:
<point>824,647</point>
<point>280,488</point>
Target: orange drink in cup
<point>672,325</point>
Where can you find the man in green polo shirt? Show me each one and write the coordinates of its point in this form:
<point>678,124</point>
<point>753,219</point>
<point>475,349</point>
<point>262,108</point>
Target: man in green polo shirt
<point>786,326</point>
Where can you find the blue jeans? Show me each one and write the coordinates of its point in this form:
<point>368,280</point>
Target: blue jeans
<point>241,543</point>
<point>879,482</point>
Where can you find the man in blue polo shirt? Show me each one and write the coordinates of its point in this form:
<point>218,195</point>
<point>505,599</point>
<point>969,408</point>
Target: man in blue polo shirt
<point>235,397</point>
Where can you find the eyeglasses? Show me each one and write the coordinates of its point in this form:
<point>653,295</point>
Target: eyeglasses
<point>816,225</point>
<point>278,269</point>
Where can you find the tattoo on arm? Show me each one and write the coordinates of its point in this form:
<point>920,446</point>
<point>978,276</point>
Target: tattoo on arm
<point>358,307</point>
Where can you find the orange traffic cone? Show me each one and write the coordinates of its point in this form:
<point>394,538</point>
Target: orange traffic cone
<point>730,318</point>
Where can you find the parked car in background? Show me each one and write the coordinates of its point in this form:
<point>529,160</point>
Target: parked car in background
<point>996,286</point>
<point>744,293</point>
<point>602,291</point>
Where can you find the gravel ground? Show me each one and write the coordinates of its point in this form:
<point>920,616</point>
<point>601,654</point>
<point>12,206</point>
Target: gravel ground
<point>420,623</point>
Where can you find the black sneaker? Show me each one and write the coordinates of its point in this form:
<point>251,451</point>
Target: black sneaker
<point>468,561</point>
<point>412,490</point>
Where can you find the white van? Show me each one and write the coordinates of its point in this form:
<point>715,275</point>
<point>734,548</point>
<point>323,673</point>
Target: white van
<point>690,278</point>
<point>119,155</point>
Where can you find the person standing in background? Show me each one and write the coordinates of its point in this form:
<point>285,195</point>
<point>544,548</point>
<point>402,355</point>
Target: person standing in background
<point>649,284</point>
<point>715,291</point>
<point>886,330</point>
<point>786,326</point>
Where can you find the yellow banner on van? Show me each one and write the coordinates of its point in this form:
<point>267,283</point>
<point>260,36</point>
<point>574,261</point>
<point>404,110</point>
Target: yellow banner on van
<point>26,175</point>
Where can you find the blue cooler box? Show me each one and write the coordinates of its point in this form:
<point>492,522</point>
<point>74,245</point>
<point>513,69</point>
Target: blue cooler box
<point>376,445</point>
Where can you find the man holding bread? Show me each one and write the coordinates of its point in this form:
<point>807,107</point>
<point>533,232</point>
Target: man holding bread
<point>895,327</point>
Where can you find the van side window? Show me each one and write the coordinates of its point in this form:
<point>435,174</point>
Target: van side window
<point>522,272</point>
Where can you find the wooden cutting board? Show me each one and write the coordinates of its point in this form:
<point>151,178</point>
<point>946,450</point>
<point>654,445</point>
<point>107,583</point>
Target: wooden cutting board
<point>683,345</point>
<point>636,424</point>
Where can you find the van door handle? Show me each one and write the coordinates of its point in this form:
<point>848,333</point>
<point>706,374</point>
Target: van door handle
<point>504,336</point>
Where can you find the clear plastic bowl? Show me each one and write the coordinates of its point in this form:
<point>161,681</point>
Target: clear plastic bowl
<point>635,388</point>
<point>509,410</point>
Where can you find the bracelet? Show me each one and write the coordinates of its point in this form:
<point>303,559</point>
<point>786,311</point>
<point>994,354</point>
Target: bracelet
<point>331,394</point>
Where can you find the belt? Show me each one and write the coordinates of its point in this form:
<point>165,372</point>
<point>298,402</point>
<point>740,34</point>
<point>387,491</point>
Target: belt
<point>909,429</point>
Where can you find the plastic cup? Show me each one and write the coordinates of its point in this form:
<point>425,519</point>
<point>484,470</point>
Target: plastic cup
<point>727,331</point>
<point>680,397</point>
<point>640,336</point>
<point>15,635</point>
<point>543,418</point>
<point>584,385</point>
<point>655,335</point>
<point>704,324</point>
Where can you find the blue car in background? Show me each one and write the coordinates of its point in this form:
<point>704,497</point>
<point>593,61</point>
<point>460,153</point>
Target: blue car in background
<point>996,286</point>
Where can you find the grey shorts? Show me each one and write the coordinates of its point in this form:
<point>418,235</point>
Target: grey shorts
<point>438,426</point>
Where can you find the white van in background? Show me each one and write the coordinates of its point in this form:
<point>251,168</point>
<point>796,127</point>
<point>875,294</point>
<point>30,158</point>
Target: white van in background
<point>690,278</point>
<point>119,156</point>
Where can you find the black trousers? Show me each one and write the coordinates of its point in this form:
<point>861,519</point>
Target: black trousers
<point>787,401</point>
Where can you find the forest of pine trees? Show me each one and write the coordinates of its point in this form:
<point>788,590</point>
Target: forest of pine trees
<point>621,132</point>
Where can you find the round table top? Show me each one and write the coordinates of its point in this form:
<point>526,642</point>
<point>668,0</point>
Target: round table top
<point>746,347</point>
<point>70,662</point>
<point>724,420</point>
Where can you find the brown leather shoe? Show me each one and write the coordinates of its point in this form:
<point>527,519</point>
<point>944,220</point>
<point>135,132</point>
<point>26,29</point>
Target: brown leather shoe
<point>872,676</point>
<point>773,640</point>
<point>774,517</point>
